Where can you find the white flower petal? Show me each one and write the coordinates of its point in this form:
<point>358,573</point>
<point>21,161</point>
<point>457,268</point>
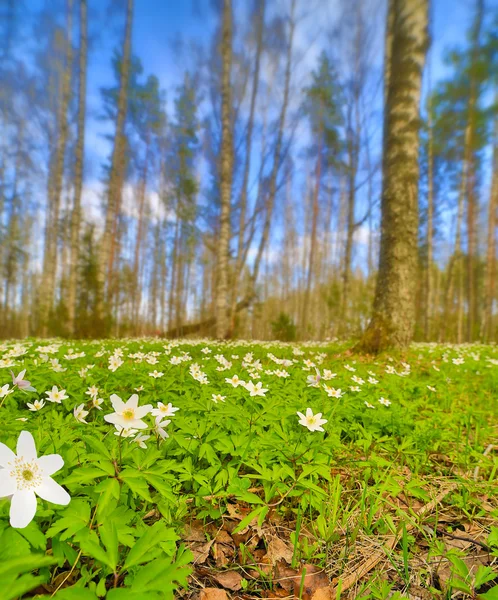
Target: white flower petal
<point>50,463</point>
<point>26,446</point>
<point>117,403</point>
<point>6,455</point>
<point>141,411</point>
<point>52,492</point>
<point>8,484</point>
<point>114,418</point>
<point>133,401</point>
<point>22,508</point>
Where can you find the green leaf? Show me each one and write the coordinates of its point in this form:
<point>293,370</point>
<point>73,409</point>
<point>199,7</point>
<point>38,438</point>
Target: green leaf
<point>149,539</point>
<point>75,593</point>
<point>90,545</point>
<point>109,537</point>
<point>491,594</point>
<point>109,490</point>
<point>84,475</point>
<point>246,520</point>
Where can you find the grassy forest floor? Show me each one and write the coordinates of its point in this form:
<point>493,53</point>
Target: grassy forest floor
<point>236,494</point>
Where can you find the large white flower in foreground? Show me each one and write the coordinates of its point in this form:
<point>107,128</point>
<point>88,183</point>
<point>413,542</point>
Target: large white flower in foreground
<point>25,475</point>
<point>311,421</point>
<point>128,414</point>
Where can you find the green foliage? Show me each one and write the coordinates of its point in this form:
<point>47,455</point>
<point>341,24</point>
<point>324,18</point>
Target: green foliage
<point>121,533</point>
<point>283,328</point>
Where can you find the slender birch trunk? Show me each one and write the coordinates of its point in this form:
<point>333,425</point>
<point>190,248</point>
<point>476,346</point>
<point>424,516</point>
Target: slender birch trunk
<point>226,162</point>
<point>46,292</point>
<point>78,171</point>
<point>116,179</point>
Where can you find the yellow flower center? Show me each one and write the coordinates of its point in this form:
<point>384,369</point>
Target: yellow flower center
<point>129,414</point>
<point>27,475</point>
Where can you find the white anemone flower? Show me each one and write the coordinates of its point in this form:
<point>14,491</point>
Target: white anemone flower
<point>37,405</point>
<point>5,391</point>
<point>164,410</point>
<point>159,427</point>
<point>128,414</point>
<point>80,413</point>
<point>22,384</point>
<point>56,395</point>
<point>311,421</point>
<point>25,476</point>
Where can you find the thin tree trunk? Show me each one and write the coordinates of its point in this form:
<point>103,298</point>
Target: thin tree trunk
<point>489,285</point>
<point>430,231</point>
<point>46,292</point>
<point>247,164</point>
<point>314,224</point>
<point>472,200</point>
<point>272,187</point>
<point>78,172</point>
<point>116,178</point>
<point>138,240</point>
<point>393,317</point>
<point>226,159</point>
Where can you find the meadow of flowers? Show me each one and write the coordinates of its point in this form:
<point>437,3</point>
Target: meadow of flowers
<point>151,469</point>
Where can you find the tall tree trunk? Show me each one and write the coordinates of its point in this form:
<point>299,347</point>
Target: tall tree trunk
<point>489,284</point>
<point>393,317</point>
<point>454,267</point>
<point>226,160</point>
<point>116,178</point>
<point>314,224</point>
<point>472,200</point>
<point>430,231</point>
<point>46,292</point>
<point>272,186</point>
<point>138,240</point>
<point>78,172</point>
<point>247,164</point>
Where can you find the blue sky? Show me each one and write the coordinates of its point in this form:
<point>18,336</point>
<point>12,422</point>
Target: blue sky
<point>159,24</point>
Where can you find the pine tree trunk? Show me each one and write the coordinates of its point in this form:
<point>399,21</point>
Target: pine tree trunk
<point>393,319</point>
<point>46,292</point>
<point>116,179</point>
<point>78,172</point>
<point>226,162</point>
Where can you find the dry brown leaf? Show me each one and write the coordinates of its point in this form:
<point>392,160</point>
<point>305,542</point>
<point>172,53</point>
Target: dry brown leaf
<point>201,551</point>
<point>278,550</point>
<point>213,594</point>
<point>231,580</point>
<point>323,593</point>
<point>220,555</point>
<point>194,532</point>
<point>222,537</point>
<point>314,578</point>
<point>310,577</point>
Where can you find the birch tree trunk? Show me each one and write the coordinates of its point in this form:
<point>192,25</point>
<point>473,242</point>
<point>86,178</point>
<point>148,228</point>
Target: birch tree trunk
<point>489,285</point>
<point>247,165</point>
<point>393,317</point>
<point>430,231</point>
<point>116,178</point>
<point>78,172</point>
<point>222,323</point>
<point>272,187</point>
<point>46,291</point>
